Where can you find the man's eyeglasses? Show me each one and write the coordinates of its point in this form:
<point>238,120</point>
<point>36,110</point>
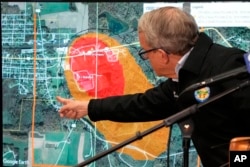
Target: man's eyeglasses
<point>143,55</point>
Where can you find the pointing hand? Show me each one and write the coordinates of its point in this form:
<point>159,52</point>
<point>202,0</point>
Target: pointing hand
<point>73,109</point>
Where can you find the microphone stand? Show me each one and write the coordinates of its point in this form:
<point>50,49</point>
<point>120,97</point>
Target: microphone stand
<point>165,123</point>
<point>186,128</point>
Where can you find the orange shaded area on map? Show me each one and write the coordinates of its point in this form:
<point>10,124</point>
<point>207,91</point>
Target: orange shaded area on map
<point>104,68</point>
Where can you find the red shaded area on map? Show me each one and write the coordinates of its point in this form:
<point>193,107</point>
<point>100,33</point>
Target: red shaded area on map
<point>96,68</point>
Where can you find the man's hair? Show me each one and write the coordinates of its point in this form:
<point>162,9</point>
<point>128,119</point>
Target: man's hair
<point>169,28</point>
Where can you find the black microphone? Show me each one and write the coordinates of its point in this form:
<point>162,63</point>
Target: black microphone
<point>240,72</point>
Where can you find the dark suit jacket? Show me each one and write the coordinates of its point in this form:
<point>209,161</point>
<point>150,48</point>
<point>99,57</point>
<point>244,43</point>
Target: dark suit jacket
<point>214,124</point>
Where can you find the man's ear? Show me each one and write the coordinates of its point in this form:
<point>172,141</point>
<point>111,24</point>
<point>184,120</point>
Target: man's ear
<point>164,56</point>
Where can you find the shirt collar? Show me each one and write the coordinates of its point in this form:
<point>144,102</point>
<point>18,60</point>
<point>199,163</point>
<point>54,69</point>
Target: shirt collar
<point>180,63</point>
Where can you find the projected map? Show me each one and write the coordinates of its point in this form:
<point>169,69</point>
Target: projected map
<point>81,51</point>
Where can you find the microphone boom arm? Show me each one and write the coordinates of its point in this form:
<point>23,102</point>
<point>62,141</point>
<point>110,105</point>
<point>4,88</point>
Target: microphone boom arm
<point>238,72</point>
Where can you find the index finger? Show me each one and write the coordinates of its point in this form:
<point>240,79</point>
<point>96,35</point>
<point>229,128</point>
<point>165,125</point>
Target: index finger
<point>61,100</point>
